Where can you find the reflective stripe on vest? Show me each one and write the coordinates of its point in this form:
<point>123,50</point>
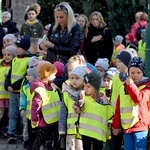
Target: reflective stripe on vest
<point>50,105</point>
<point>128,109</point>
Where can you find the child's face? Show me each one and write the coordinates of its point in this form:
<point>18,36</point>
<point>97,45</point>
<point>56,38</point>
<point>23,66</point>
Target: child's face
<point>76,81</point>
<point>8,57</point>
<point>7,42</point>
<point>108,83</point>
<point>95,21</point>
<point>20,51</point>
<point>51,77</point>
<point>81,21</point>
<point>101,71</point>
<point>30,78</point>
<point>136,74</point>
<point>32,15</point>
<point>120,65</point>
<point>89,90</point>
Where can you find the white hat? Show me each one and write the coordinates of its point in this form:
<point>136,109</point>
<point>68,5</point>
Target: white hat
<point>102,62</point>
<point>12,37</point>
<point>12,49</point>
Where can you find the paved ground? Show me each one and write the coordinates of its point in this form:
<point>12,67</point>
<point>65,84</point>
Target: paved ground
<point>16,146</point>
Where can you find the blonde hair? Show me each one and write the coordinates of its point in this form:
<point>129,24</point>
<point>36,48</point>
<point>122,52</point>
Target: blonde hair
<point>100,19</point>
<point>71,21</point>
<point>144,16</point>
<point>138,14</point>
<point>34,44</point>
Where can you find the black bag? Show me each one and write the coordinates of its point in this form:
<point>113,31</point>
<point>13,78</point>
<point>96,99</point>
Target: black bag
<point>139,31</point>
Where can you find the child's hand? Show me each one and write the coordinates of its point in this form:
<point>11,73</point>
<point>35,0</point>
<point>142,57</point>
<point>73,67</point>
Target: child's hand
<point>10,89</point>
<point>129,80</point>
<point>22,113</point>
<point>116,131</point>
<point>82,94</point>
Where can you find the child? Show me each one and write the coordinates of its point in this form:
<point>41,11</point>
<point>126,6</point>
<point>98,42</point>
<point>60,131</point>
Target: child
<point>123,59</point>
<point>102,65</point>
<point>45,107</point>
<point>118,47</point>
<point>72,94</point>
<point>93,125</point>
<point>25,107</point>
<point>13,83</point>
<point>32,27</point>
<point>8,54</point>
<point>132,107</point>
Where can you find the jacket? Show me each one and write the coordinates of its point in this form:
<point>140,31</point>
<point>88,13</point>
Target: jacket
<point>11,27</point>
<point>100,49</point>
<point>139,97</point>
<point>65,46</point>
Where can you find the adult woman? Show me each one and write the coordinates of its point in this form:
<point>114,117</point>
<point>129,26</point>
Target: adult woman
<point>64,36</point>
<point>98,43</point>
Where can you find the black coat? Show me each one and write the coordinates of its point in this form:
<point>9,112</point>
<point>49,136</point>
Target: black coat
<point>65,46</point>
<point>11,27</point>
<point>99,49</point>
<point>2,34</point>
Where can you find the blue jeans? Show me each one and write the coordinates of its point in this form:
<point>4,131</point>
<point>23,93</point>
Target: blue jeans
<point>136,140</point>
<point>14,112</point>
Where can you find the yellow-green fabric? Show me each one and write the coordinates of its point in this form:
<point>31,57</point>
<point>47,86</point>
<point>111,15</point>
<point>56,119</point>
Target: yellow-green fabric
<point>142,49</point>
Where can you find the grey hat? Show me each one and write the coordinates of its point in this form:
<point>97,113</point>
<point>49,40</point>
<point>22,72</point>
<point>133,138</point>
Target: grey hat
<point>33,72</point>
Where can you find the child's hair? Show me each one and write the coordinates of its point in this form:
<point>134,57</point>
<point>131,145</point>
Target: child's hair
<point>34,46</point>
<point>77,58</point>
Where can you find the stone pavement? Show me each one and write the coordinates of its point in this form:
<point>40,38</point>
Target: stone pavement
<point>5,146</point>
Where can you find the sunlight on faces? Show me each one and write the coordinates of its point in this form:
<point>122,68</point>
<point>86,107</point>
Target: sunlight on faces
<point>136,74</point>
<point>95,21</point>
<point>89,90</point>
<point>7,42</point>
<point>8,57</point>
<point>76,81</point>
<point>101,71</point>
<point>32,15</point>
<point>61,18</point>
<point>108,83</point>
<point>120,65</point>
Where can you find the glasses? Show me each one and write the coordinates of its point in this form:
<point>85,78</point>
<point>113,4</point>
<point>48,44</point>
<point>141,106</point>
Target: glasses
<point>60,7</point>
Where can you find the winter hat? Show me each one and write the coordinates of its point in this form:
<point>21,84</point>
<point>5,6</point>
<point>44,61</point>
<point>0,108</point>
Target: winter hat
<point>12,49</point>
<point>102,62</point>
<point>137,62</point>
<point>80,71</point>
<point>33,72</point>
<point>118,39</point>
<point>91,68</point>
<point>130,37</point>
<point>126,55</point>
<point>93,79</point>
<point>23,42</point>
<point>33,61</point>
<point>12,37</point>
<point>46,69</point>
<point>60,68</point>
<point>110,73</point>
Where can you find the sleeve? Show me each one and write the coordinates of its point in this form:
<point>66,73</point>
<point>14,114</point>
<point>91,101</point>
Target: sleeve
<point>63,118</point>
<point>41,30</point>
<point>17,85</point>
<point>23,100</point>
<point>36,107</point>
<point>13,28</point>
<point>7,82</point>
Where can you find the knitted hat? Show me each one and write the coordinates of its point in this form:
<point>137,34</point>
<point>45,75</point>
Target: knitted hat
<point>93,79</point>
<point>91,68</point>
<point>130,37</point>
<point>137,62</point>
<point>33,72</point>
<point>12,37</point>
<point>33,61</point>
<point>102,62</point>
<point>46,69</point>
<point>23,42</point>
<point>126,55</point>
<point>12,49</point>
<point>110,73</point>
<point>60,68</point>
<point>118,39</point>
<point>80,71</point>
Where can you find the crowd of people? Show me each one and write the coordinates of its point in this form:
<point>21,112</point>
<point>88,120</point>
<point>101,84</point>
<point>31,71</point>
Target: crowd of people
<point>75,87</point>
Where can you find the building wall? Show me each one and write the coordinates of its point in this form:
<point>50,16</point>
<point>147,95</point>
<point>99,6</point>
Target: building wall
<point>18,8</point>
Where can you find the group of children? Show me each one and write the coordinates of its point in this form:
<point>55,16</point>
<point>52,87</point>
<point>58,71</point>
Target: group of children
<point>76,102</point>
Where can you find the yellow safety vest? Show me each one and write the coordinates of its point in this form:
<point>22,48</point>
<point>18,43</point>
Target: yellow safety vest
<point>50,104</point>
<point>19,68</point>
<point>128,109</point>
<point>117,83</point>
<point>3,73</point>
<point>94,120</point>
<point>142,49</point>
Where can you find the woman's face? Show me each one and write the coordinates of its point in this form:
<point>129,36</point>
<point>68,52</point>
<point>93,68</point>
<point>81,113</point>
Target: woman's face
<point>32,15</point>
<point>95,21</point>
<point>81,21</point>
<point>61,18</point>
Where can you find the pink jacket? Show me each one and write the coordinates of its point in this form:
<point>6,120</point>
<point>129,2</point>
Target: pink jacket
<point>36,113</point>
<point>135,27</point>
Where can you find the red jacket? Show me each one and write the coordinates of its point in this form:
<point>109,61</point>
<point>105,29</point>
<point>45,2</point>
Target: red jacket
<point>140,97</point>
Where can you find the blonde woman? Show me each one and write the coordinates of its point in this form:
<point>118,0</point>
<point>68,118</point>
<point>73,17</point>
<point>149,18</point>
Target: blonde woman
<point>64,36</point>
<point>98,43</point>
